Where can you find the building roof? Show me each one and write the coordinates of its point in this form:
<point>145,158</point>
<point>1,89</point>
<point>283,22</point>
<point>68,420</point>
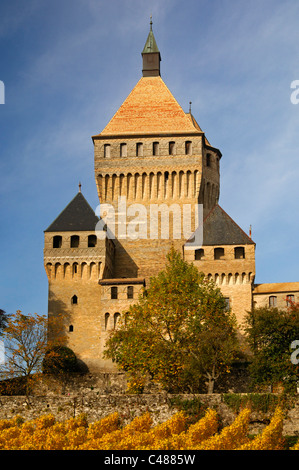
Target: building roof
<point>77,216</point>
<point>276,287</point>
<point>150,108</point>
<point>150,45</point>
<point>220,229</point>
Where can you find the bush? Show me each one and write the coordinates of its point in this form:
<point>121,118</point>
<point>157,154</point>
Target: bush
<point>60,359</point>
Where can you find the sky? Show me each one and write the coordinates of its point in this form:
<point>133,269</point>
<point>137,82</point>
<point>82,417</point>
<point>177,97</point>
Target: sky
<point>68,65</point>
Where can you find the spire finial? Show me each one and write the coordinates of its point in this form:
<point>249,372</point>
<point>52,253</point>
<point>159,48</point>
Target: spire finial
<point>79,187</point>
<point>190,103</point>
<point>151,23</point>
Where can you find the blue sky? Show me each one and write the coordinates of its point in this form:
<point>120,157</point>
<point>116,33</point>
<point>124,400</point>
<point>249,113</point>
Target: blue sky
<point>68,65</point>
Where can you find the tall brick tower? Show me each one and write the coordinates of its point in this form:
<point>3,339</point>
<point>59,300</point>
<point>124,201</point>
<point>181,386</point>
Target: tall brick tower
<point>154,154</point>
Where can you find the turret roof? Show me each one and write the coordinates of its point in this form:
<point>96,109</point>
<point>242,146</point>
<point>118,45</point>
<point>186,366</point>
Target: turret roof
<point>77,216</point>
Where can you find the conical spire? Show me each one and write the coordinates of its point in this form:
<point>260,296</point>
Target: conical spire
<point>151,55</point>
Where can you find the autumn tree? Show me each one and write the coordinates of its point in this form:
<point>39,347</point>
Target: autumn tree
<point>271,333</point>
<point>25,338</point>
<point>179,333</point>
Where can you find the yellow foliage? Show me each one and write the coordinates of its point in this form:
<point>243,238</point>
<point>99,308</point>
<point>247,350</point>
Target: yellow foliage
<point>44,433</point>
<point>271,436</point>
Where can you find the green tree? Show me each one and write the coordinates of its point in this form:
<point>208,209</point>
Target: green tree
<point>164,334</point>
<point>3,320</point>
<point>270,333</point>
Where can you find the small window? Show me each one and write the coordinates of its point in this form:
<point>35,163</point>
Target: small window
<point>227,303</point>
<point>272,301</point>
<point>107,151</point>
<point>130,292</point>
<point>114,292</point>
<point>171,148</point>
<point>188,147</point>
<point>199,254</point>
<point>57,241</point>
<point>219,253</point>
<point>74,300</point>
<point>155,148</point>
<point>239,252</point>
<point>208,159</point>
<point>290,300</point>
<point>139,149</point>
<point>123,150</point>
<point>92,241</point>
<point>75,241</point>
<point>71,328</point>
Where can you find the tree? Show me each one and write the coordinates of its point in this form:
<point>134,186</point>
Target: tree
<point>3,320</point>
<point>164,334</point>
<point>25,339</point>
<point>270,333</point>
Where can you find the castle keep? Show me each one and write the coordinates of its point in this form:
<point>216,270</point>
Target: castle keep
<point>156,174</point>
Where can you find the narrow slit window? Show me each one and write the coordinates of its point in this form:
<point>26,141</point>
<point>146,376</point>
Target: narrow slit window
<point>155,148</point>
<point>171,148</point>
<point>107,151</point>
<point>188,147</point>
<point>123,150</point>
<point>74,300</point>
<point>71,328</point>
<point>130,292</point>
<point>139,149</point>
<point>208,159</point>
<point>114,292</point>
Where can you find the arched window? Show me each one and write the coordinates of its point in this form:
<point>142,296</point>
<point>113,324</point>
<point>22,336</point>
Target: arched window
<point>239,252</point>
<point>290,300</point>
<point>75,268</point>
<point>75,241</point>
<point>199,254</point>
<point>74,300</point>
<point>92,241</point>
<point>57,241</point>
<point>71,328</point>
<point>116,318</point>
<point>114,292</point>
<point>218,253</point>
<point>107,315</point>
<point>130,292</point>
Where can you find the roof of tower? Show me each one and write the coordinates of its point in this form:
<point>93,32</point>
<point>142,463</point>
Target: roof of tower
<point>220,229</point>
<point>150,45</point>
<point>77,216</point>
<point>150,108</point>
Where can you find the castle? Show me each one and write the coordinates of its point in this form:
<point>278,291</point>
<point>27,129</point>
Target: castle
<point>152,159</point>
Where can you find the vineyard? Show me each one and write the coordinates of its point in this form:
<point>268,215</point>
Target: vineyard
<point>45,433</point>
